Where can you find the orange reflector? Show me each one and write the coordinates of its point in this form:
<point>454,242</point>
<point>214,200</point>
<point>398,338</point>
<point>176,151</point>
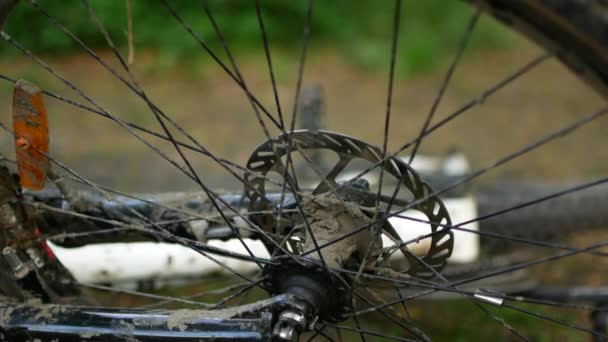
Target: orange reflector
<point>30,123</point>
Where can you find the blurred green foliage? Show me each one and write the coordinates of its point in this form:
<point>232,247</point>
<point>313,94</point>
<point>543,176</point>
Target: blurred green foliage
<point>360,30</point>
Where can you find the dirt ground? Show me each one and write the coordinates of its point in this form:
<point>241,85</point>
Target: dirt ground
<point>204,100</point>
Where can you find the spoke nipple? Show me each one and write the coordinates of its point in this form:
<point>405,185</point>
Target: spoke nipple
<point>489,297</point>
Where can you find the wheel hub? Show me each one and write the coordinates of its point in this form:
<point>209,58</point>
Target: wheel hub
<point>342,219</point>
<point>326,293</point>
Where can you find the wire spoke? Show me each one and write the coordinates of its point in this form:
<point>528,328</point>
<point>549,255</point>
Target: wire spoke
<point>237,294</point>
<point>458,227</point>
<point>226,212</point>
<point>387,119</point>
<point>288,181</point>
<point>192,216</point>
<point>477,304</point>
<point>190,172</point>
<point>224,290</point>
<point>466,107</point>
<point>133,86</point>
<point>227,164</point>
<point>370,333</point>
<point>164,234</point>
<point>144,294</point>
<point>159,232</point>
<point>554,320</point>
<point>159,117</point>
<point>564,192</point>
<point>358,325</point>
<point>317,332</point>
<point>407,326</point>
<point>292,182</point>
<point>493,273</point>
<point>506,325</point>
<point>219,62</point>
<point>139,91</point>
<point>509,157</point>
<point>320,332</point>
<point>258,11</point>
<point>446,80</point>
<point>237,72</point>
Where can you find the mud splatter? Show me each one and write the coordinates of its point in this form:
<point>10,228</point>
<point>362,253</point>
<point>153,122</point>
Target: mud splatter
<point>330,217</point>
<point>181,318</point>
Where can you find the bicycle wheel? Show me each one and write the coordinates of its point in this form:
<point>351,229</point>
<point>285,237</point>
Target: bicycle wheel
<point>341,258</point>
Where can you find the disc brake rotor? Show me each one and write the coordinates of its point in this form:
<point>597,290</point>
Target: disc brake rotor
<point>267,158</point>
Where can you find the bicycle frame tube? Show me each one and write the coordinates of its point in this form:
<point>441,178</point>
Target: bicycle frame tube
<point>67,323</point>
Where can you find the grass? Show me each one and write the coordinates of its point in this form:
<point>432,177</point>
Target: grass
<point>360,30</point>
